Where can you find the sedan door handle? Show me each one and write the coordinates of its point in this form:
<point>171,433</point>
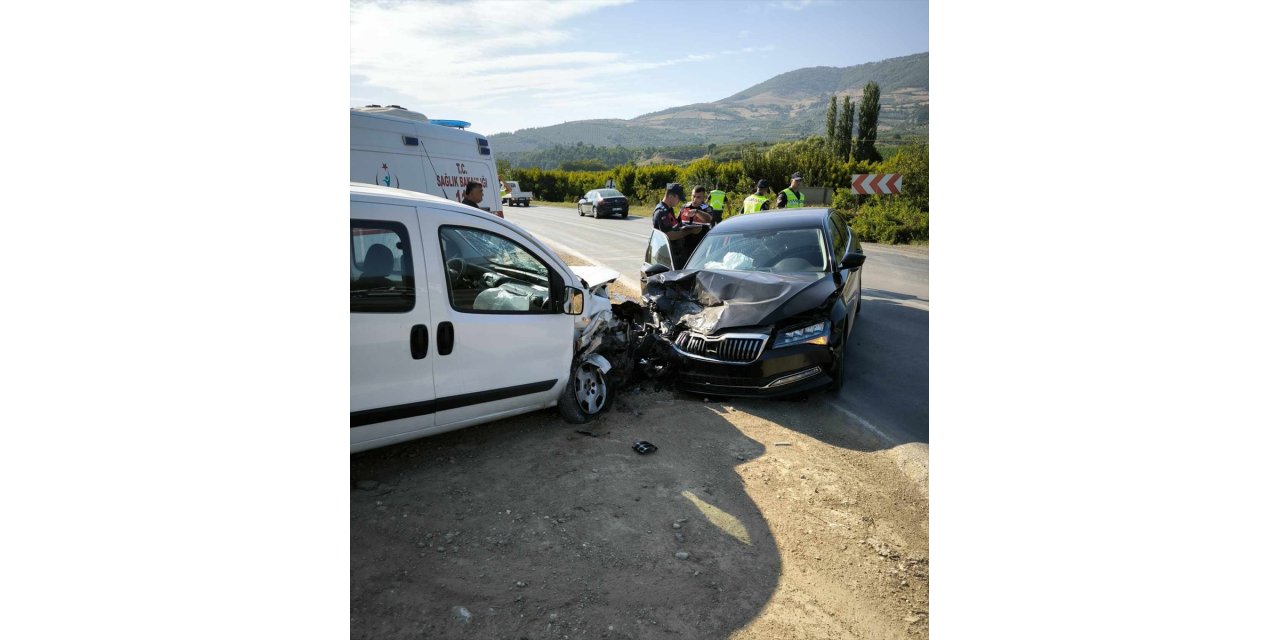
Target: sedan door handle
<point>444,338</point>
<point>418,341</point>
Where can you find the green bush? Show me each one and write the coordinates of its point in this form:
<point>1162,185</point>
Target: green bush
<point>889,220</point>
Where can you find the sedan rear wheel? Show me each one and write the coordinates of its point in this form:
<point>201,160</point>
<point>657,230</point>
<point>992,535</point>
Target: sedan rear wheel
<point>595,213</point>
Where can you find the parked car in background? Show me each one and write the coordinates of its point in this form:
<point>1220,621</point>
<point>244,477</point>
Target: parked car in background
<point>459,317</point>
<point>603,202</point>
<point>763,306</point>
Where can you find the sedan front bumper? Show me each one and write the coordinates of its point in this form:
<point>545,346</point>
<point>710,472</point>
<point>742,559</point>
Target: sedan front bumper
<point>777,372</point>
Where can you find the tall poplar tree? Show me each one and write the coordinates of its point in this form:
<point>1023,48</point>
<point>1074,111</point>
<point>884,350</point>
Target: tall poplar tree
<point>831,120</point>
<point>844,131</point>
<point>868,120</point>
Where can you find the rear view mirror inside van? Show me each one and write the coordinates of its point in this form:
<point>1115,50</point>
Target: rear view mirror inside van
<point>573,300</point>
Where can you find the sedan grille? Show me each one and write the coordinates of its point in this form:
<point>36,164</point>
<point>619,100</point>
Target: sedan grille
<point>724,348</point>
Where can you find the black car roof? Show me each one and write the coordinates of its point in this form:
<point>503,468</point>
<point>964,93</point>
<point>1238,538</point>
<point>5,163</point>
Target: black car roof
<point>774,220</point>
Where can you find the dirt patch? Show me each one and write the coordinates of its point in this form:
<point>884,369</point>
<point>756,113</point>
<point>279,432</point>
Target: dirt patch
<point>752,520</point>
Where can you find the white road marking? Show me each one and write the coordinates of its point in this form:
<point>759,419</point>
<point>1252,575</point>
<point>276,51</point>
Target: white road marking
<point>862,422</point>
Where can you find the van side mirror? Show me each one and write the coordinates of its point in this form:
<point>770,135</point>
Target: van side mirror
<point>655,268</point>
<point>853,260</point>
<point>573,301</point>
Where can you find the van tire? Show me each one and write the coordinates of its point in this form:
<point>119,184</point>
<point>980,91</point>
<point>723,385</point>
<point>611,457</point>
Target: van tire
<point>585,395</point>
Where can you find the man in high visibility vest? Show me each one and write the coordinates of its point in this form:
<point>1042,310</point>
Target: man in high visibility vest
<point>757,201</point>
<point>715,200</point>
<point>791,198</point>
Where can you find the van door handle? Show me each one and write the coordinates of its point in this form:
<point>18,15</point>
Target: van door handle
<point>444,338</point>
<point>418,341</point>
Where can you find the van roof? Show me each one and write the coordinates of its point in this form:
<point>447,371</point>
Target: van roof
<point>403,196</point>
<point>397,111</point>
<point>394,111</point>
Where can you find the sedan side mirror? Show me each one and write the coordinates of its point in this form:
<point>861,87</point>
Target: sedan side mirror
<point>853,260</point>
<point>655,269</point>
<point>573,301</point>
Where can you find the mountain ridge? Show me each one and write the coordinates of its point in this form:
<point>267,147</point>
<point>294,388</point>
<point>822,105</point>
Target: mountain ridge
<point>788,106</point>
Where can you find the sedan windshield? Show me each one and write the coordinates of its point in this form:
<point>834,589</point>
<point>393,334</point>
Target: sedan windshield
<point>610,193</point>
<point>788,251</point>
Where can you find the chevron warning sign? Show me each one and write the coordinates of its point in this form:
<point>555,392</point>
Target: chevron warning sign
<point>877,183</point>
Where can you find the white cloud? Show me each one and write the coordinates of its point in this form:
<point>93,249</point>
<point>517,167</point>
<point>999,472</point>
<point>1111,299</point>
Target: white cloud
<point>797,5</point>
<point>457,60</point>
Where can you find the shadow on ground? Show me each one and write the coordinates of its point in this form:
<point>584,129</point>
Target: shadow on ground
<point>540,531</point>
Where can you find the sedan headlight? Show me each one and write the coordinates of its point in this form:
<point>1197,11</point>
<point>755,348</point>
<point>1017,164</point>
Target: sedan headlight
<point>817,333</point>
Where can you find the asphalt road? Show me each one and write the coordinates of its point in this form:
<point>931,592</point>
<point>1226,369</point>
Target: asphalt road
<point>887,381</point>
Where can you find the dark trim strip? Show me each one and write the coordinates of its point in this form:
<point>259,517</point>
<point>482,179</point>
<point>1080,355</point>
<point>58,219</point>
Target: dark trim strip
<point>414,409</point>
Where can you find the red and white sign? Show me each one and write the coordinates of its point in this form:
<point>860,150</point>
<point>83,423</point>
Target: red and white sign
<point>877,183</point>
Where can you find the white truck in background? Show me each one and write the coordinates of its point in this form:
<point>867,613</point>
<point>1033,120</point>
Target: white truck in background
<point>514,196</point>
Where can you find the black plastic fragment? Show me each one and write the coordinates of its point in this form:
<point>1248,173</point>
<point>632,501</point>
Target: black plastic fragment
<point>643,447</point>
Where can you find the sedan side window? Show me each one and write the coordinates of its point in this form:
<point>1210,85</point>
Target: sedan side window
<point>659,250</point>
<point>490,273</point>
<point>839,237</point>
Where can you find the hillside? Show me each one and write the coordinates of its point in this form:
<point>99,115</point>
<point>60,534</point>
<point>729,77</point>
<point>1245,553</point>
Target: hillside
<point>788,106</point>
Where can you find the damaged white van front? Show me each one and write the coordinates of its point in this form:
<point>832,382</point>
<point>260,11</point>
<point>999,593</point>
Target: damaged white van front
<point>459,318</point>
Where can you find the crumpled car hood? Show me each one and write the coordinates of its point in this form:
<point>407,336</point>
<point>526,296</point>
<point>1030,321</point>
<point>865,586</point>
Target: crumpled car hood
<point>707,301</point>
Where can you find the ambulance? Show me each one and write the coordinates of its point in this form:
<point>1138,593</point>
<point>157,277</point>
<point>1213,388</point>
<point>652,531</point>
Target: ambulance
<point>395,147</point>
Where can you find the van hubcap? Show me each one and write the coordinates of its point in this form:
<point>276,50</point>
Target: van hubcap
<point>589,388</point>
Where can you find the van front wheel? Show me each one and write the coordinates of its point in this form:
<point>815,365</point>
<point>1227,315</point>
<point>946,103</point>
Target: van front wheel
<point>585,396</point>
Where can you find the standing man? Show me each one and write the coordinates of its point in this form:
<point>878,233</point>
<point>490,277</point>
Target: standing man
<point>791,198</point>
<point>697,210</point>
<point>473,194</point>
<point>716,201</point>
<point>666,220</point>
<point>757,201</point>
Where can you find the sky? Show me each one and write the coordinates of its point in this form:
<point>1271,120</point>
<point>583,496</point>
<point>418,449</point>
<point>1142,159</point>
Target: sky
<point>504,65</point>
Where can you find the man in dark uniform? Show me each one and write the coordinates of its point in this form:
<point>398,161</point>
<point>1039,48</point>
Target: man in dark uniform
<point>666,220</point>
<point>474,194</point>
<point>697,209</point>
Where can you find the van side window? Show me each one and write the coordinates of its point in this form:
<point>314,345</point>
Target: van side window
<point>490,273</point>
<point>381,267</point>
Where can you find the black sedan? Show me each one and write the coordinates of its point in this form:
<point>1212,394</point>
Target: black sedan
<point>603,203</point>
<point>763,306</point>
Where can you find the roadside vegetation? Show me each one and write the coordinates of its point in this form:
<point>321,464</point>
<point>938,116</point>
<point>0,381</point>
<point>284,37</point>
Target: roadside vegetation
<point>828,161</point>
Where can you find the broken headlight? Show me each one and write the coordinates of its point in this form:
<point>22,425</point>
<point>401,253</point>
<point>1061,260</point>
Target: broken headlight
<point>817,333</point>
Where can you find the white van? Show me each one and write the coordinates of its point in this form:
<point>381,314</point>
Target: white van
<point>394,147</point>
<point>459,317</point>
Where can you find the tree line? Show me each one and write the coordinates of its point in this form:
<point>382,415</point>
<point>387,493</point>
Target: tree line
<point>828,161</point>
